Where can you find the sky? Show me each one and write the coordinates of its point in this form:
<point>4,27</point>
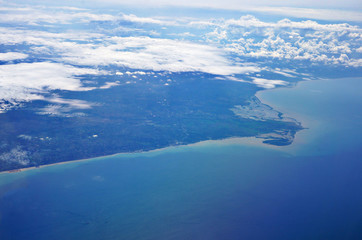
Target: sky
<point>328,4</point>
<point>348,10</point>
<point>240,4</point>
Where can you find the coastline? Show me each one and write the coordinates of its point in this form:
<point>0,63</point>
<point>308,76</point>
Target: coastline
<point>300,137</point>
<point>289,112</point>
<point>246,141</point>
<point>311,124</point>
<point>55,164</point>
<point>315,125</point>
<point>286,112</point>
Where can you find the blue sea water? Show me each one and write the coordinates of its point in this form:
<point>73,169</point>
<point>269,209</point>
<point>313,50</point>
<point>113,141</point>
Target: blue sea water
<point>229,189</point>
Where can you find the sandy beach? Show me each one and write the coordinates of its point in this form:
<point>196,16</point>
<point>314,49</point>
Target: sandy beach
<point>249,141</point>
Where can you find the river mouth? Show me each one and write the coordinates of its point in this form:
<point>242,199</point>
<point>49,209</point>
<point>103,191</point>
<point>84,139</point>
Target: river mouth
<point>328,109</point>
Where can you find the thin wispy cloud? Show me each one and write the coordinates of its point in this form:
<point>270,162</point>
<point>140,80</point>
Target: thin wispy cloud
<point>309,9</point>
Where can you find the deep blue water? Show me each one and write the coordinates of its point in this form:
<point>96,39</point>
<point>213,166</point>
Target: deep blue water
<point>213,190</point>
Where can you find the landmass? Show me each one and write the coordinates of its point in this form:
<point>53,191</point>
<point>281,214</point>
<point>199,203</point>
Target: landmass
<point>138,116</point>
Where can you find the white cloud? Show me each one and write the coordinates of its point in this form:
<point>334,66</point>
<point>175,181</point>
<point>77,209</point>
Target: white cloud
<point>286,39</point>
<point>133,52</point>
<point>245,37</point>
<point>15,155</point>
<point>43,75</point>
<point>25,137</point>
<point>146,20</point>
<point>70,15</point>
<point>109,85</point>
<point>155,54</point>
<point>249,21</point>
<point>9,56</point>
<point>44,39</point>
<point>40,16</point>
<point>65,107</point>
<point>29,81</point>
<point>230,78</point>
<point>266,83</point>
<point>283,73</point>
<point>59,111</point>
<point>73,103</point>
<point>184,34</point>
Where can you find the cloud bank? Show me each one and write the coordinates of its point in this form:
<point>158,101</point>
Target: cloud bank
<point>30,81</point>
<point>232,49</point>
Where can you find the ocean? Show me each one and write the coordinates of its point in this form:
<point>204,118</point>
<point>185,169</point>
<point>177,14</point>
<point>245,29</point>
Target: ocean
<point>227,189</point>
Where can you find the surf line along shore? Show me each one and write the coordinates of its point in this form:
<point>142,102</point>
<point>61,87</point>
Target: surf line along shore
<point>246,141</point>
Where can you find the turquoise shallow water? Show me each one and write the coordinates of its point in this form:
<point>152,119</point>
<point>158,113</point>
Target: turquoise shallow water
<point>214,190</point>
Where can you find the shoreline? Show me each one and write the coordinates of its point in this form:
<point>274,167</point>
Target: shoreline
<point>58,163</point>
<point>310,123</point>
<point>304,136</point>
<point>251,141</point>
<point>246,141</point>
